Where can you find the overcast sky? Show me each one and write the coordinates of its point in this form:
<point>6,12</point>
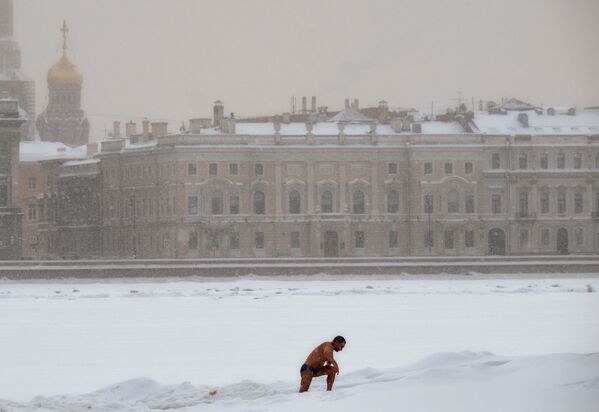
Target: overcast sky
<point>170,59</point>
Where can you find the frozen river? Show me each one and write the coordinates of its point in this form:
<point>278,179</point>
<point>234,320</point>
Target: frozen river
<point>76,337</point>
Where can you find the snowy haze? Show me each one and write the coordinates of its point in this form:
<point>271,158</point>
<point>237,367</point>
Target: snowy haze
<point>414,343</point>
<point>170,60</point>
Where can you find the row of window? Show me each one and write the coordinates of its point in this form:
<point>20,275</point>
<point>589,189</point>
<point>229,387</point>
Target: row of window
<point>523,162</point>
<point>66,98</point>
<point>141,172</point>
<point>453,202</point>
<point>294,203</point>
<point>392,168</point>
<point>359,240</point>
<point>562,204</point>
<point>294,240</point>
<point>192,169</point>
<point>359,203</point>
<point>447,168</point>
<point>545,237</point>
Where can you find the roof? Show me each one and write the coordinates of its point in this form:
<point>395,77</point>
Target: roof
<point>515,104</point>
<point>585,122</point>
<point>37,151</point>
<point>441,128</point>
<point>350,115</point>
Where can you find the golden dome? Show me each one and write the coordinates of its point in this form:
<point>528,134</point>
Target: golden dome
<point>65,72</point>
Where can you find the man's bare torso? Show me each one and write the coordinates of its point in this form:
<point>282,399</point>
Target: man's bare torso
<point>321,355</point>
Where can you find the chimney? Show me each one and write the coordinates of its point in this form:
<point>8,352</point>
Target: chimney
<point>396,124</point>
<point>159,129</point>
<point>356,104</point>
<point>347,103</point>
<point>304,104</point>
<point>116,130</point>
<point>313,108</point>
<point>276,124</point>
<point>131,129</point>
<point>219,113</point>
<point>146,129</point>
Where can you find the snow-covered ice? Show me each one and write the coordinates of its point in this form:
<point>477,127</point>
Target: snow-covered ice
<point>414,343</point>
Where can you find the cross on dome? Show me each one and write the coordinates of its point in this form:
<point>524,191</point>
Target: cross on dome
<point>64,30</point>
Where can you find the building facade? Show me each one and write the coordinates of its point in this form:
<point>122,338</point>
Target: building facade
<point>512,180</point>
<point>468,185</point>
<point>11,122</point>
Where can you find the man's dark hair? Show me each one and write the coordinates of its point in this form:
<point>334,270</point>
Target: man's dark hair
<point>339,339</point>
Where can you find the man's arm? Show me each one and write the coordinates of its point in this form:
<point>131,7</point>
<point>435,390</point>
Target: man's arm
<point>330,359</point>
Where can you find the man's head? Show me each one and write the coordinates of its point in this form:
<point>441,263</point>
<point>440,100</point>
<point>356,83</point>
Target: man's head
<point>338,343</point>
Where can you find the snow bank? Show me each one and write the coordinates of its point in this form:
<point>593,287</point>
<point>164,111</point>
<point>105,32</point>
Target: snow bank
<point>464,381</point>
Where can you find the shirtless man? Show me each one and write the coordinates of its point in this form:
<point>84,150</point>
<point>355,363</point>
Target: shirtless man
<point>320,362</point>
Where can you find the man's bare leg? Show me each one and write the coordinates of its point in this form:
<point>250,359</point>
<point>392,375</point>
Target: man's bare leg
<point>330,381</point>
<point>306,380</point>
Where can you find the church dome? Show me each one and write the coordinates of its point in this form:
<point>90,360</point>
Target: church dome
<point>65,72</point>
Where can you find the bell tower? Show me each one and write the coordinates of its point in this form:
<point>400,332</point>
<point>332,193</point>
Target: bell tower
<point>12,81</point>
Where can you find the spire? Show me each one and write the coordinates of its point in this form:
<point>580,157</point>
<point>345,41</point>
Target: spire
<point>64,31</point>
<point>6,18</point>
<point>64,71</point>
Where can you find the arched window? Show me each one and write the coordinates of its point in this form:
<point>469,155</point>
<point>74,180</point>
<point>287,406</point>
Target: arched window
<point>217,203</point>
<point>359,206</point>
<point>294,202</point>
<point>326,202</point>
<point>259,203</point>
<point>453,202</point>
<point>392,202</point>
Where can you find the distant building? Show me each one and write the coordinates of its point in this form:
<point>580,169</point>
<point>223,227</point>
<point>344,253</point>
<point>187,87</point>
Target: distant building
<point>11,122</point>
<point>511,180</point>
<point>64,120</point>
<point>13,82</point>
<point>40,194</point>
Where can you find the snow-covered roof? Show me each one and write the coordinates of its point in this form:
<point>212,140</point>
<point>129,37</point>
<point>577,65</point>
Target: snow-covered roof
<point>37,151</point>
<point>349,115</point>
<point>515,104</point>
<point>140,145</point>
<point>585,122</point>
<point>441,128</point>
<point>14,75</point>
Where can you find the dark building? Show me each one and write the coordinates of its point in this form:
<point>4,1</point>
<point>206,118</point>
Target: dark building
<point>11,121</point>
<point>13,82</point>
